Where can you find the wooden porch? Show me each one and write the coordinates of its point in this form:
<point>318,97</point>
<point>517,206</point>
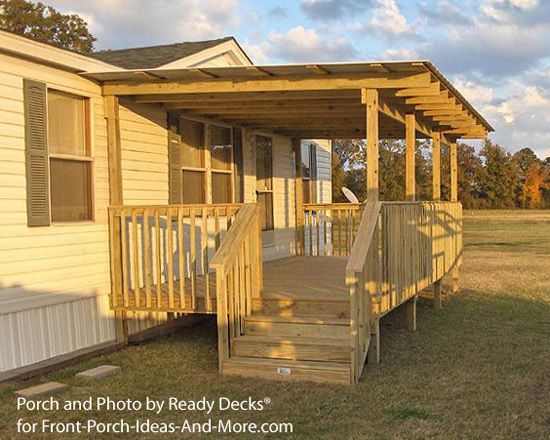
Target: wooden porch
<point>310,316</point>
<point>315,315</point>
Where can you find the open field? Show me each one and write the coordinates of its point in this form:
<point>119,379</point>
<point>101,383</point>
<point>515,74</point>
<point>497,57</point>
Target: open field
<point>478,369</point>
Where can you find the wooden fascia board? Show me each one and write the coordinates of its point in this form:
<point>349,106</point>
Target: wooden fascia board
<point>267,84</point>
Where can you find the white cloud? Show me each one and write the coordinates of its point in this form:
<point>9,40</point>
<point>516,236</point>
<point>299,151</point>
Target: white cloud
<point>499,10</point>
<point>388,20</point>
<point>300,45</point>
<point>399,54</point>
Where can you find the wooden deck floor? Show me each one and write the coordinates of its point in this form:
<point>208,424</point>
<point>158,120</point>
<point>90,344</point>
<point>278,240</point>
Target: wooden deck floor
<point>312,278</point>
<point>306,278</point>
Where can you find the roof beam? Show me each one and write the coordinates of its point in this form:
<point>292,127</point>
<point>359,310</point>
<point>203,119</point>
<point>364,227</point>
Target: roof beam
<point>271,84</point>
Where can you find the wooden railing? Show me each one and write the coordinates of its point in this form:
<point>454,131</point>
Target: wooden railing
<point>160,255</point>
<point>329,229</point>
<point>400,248</point>
<point>239,278</point>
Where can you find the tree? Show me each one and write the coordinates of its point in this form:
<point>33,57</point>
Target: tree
<point>346,156</point>
<point>500,177</point>
<point>470,170</point>
<point>536,180</point>
<point>44,23</point>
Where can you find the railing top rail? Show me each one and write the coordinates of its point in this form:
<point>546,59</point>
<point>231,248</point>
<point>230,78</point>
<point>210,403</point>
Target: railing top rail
<point>308,206</point>
<point>188,206</point>
<point>228,250</point>
<point>363,238</point>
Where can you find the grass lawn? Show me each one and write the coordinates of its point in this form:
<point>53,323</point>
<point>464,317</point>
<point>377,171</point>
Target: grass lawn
<point>478,369</point>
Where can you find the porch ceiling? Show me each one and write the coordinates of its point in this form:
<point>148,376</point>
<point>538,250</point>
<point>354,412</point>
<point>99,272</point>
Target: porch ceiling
<point>307,100</point>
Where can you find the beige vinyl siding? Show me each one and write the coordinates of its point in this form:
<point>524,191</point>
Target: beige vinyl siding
<point>324,170</point>
<point>144,143</point>
<point>54,280</point>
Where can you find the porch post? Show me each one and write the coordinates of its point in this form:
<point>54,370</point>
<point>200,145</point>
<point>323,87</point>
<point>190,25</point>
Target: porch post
<point>454,198</point>
<point>410,141</point>
<point>436,166</point>
<point>111,110</point>
<point>299,196</point>
<point>370,98</point>
<point>454,172</point>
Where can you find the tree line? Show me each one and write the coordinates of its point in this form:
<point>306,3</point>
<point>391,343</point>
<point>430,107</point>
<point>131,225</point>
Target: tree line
<point>492,178</point>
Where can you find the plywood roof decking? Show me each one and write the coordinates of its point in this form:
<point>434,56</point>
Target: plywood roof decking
<point>307,100</point>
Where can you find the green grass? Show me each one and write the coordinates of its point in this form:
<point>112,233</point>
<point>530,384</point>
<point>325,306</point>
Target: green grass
<point>478,369</point>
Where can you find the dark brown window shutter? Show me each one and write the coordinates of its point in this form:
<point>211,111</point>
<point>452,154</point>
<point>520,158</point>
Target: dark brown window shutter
<point>174,163</point>
<point>36,151</point>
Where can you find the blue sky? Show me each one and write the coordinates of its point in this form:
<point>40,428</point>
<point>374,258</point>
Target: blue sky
<point>496,52</point>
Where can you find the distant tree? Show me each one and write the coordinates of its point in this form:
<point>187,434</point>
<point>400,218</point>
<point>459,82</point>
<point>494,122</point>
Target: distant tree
<point>44,23</point>
<point>470,170</point>
<point>500,176</point>
<point>346,156</point>
<point>536,180</point>
<point>391,170</point>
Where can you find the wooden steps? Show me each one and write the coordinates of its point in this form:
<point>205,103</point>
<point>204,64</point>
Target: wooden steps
<point>288,370</point>
<point>296,326</point>
<point>301,307</point>
<point>309,347</point>
<point>293,348</point>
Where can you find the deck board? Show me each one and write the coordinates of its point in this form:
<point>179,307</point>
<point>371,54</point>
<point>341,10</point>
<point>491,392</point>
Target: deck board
<point>311,278</point>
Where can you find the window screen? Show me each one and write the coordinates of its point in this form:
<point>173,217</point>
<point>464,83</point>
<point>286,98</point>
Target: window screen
<point>192,144</point>
<point>70,161</point>
<point>221,147</point>
<point>221,187</point>
<point>70,182</point>
<point>192,187</point>
<point>67,124</point>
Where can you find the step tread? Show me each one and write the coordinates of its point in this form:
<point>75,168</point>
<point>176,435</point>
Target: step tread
<point>310,365</point>
<point>297,340</point>
<point>299,319</point>
<point>303,294</point>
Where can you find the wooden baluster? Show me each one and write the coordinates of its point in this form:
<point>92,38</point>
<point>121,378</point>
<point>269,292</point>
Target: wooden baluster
<point>242,287</point>
<point>181,258</point>
<point>124,249</point>
<point>318,224</point>
<point>231,306</point>
<point>147,257</point>
<point>193,263</point>
<point>339,224</point>
<point>204,258</point>
<point>248,275</point>
<point>135,258</point>
<point>158,258</point>
<point>170,257</point>
<point>217,226</point>
<point>221,310</point>
<point>325,239</point>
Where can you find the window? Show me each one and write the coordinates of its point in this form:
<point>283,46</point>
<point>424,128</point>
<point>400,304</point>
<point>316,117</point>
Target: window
<point>193,169</point>
<point>201,162</point>
<point>264,180</point>
<point>309,173</point>
<point>221,157</point>
<point>70,157</point>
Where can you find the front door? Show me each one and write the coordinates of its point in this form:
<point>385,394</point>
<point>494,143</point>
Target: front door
<point>264,186</point>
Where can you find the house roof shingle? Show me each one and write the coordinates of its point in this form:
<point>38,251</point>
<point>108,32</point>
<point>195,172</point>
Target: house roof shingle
<point>151,57</point>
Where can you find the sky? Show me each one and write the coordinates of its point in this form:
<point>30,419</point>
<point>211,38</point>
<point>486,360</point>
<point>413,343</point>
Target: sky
<point>496,52</point>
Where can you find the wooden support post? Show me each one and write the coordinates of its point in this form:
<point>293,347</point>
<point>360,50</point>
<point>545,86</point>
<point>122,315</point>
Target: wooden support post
<point>410,311</point>
<point>111,110</point>
<point>438,290</point>
<point>454,172</point>
<point>410,178</point>
<point>373,355</point>
<point>454,198</point>
<point>436,167</point>
<point>299,196</point>
<point>370,98</point>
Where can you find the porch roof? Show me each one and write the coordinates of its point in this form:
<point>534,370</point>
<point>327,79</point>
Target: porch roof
<point>307,100</point>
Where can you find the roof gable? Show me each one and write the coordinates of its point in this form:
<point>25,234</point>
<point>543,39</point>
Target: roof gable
<point>156,56</point>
